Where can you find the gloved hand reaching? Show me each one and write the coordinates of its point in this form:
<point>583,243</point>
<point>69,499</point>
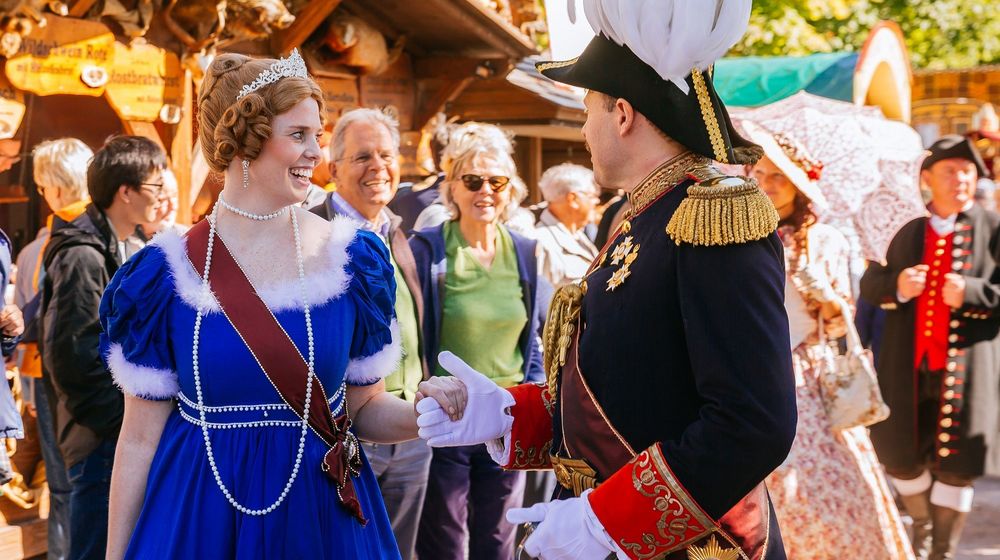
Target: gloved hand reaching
<point>485,417</point>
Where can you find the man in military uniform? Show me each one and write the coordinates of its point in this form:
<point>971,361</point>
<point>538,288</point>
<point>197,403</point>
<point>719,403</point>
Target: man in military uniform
<point>670,394</point>
<point>938,366</point>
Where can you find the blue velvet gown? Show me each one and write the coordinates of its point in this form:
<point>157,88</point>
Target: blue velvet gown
<point>148,313</point>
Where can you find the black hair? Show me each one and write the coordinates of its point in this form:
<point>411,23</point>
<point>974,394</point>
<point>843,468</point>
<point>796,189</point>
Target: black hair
<point>123,160</point>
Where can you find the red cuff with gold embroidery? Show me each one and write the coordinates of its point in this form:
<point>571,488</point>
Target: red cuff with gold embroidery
<point>646,511</point>
<point>531,435</point>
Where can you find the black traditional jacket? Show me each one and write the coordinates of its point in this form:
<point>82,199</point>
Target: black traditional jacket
<point>965,435</point>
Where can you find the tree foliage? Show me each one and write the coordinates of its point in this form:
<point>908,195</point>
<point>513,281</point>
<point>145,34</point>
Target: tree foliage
<point>938,33</point>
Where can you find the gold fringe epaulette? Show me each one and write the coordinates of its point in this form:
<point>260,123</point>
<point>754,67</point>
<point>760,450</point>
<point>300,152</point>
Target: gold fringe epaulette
<point>722,210</point>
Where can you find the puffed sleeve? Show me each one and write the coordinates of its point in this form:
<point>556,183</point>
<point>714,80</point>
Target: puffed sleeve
<point>134,339</point>
<point>375,348</point>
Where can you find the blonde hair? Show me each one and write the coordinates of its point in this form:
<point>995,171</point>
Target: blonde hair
<point>62,164</point>
<point>228,128</point>
<point>471,143</point>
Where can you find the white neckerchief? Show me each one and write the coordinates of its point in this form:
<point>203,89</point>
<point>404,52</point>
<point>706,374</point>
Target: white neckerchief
<point>943,226</point>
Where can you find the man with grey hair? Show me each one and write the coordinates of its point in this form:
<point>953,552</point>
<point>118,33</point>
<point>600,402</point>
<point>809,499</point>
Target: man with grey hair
<point>60,175</point>
<point>364,162</point>
<point>564,251</point>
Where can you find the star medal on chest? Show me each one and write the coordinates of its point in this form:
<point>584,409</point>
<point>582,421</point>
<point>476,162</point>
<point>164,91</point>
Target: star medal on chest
<point>712,551</point>
<point>625,254</point>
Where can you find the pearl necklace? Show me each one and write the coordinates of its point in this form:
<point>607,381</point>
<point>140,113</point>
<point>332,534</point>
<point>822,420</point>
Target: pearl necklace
<point>309,377</point>
<point>251,215</point>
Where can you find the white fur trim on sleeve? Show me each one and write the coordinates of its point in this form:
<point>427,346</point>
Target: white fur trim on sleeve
<point>368,370</point>
<point>141,381</point>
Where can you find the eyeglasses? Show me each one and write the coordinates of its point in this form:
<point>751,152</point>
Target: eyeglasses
<point>475,182</point>
<point>155,188</point>
<point>366,158</point>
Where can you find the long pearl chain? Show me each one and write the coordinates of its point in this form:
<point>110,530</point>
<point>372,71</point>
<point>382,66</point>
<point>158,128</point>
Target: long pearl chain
<point>309,377</point>
<point>251,215</point>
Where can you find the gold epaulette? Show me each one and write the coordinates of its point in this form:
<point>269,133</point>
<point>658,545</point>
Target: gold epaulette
<point>722,210</point>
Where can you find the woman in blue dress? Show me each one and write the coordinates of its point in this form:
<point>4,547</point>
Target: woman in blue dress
<point>228,343</point>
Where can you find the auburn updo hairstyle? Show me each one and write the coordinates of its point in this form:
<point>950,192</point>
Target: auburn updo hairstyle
<point>228,128</point>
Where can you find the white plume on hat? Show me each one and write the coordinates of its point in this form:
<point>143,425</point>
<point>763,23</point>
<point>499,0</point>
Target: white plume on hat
<point>671,36</point>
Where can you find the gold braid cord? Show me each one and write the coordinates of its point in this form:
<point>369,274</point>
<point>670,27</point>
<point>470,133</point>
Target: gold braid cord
<point>722,210</point>
<point>708,115</point>
<point>564,311</point>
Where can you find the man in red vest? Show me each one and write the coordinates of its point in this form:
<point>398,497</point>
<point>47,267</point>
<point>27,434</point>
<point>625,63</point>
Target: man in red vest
<point>940,358</point>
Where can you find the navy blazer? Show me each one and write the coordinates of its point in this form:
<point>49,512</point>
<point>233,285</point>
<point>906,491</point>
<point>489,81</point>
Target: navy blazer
<point>428,248</point>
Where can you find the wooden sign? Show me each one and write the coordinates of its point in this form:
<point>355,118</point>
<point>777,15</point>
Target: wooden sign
<point>142,80</point>
<point>67,56</point>
<point>340,95</point>
<point>11,108</point>
<point>394,88</point>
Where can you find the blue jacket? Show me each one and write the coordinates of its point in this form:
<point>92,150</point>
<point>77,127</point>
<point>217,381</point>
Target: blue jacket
<point>429,253</point>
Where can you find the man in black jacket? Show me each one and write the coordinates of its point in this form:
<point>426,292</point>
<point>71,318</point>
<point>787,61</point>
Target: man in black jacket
<point>126,187</point>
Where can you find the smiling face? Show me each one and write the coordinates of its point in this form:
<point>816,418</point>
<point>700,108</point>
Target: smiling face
<point>285,164</point>
<point>484,205</point>
<point>146,202</point>
<point>367,175</point>
<point>774,183</point>
<point>952,183</point>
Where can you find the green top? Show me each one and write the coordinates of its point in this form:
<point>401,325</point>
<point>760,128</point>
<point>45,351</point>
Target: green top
<point>483,313</point>
<point>404,381</point>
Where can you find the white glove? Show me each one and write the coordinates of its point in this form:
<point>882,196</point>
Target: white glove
<point>566,530</point>
<point>485,417</point>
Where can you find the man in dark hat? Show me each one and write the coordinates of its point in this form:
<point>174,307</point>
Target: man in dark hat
<point>940,356</point>
<point>670,394</point>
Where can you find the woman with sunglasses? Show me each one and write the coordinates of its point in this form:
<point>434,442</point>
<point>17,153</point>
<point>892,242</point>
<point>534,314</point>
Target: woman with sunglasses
<point>479,283</point>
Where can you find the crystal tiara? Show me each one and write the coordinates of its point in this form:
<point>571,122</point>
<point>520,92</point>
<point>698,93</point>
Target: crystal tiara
<point>294,65</point>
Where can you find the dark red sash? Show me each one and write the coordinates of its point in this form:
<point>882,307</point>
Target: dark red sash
<point>280,359</point>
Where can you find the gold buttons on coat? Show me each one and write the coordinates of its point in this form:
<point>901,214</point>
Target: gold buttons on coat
<point>944,452</point>
<point>946,422</point>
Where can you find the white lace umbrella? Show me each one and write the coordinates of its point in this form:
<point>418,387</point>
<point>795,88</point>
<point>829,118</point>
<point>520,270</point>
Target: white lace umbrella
<point>871,164</point>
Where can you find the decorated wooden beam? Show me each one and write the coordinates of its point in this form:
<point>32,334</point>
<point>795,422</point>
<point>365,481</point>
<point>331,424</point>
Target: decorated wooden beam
<point>78,8</point>
<point>306,21</point>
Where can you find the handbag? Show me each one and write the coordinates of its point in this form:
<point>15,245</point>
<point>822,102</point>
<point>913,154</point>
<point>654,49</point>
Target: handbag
<point>848,386</point>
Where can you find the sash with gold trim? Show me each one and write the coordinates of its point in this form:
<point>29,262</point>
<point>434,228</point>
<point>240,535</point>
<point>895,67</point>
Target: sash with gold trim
<point>280,360</point>
<point>593,452</point>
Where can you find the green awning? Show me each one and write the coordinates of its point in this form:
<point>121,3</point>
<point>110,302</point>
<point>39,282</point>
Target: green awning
<point>753,81</point>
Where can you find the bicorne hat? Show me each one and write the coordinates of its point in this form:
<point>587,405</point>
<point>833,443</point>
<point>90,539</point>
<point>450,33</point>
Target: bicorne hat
<point>658,55</point>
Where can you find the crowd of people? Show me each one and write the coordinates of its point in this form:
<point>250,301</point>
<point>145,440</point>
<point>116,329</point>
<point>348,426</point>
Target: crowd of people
<point>391,371</point>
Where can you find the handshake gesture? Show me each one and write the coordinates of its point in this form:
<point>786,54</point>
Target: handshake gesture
<point>563,529</point>
<point>485,418</point>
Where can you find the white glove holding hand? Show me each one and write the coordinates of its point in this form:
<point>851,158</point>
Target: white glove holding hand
<point>567,530</point>
<point>485,417</point>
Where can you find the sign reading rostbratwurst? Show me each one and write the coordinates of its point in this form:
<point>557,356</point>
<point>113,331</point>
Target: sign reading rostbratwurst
<point>142,79</point>
<point>11,108</point>
<point>67,56</point>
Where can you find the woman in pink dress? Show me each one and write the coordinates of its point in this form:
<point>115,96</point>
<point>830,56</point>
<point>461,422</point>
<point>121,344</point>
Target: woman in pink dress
<point>830,494</point>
